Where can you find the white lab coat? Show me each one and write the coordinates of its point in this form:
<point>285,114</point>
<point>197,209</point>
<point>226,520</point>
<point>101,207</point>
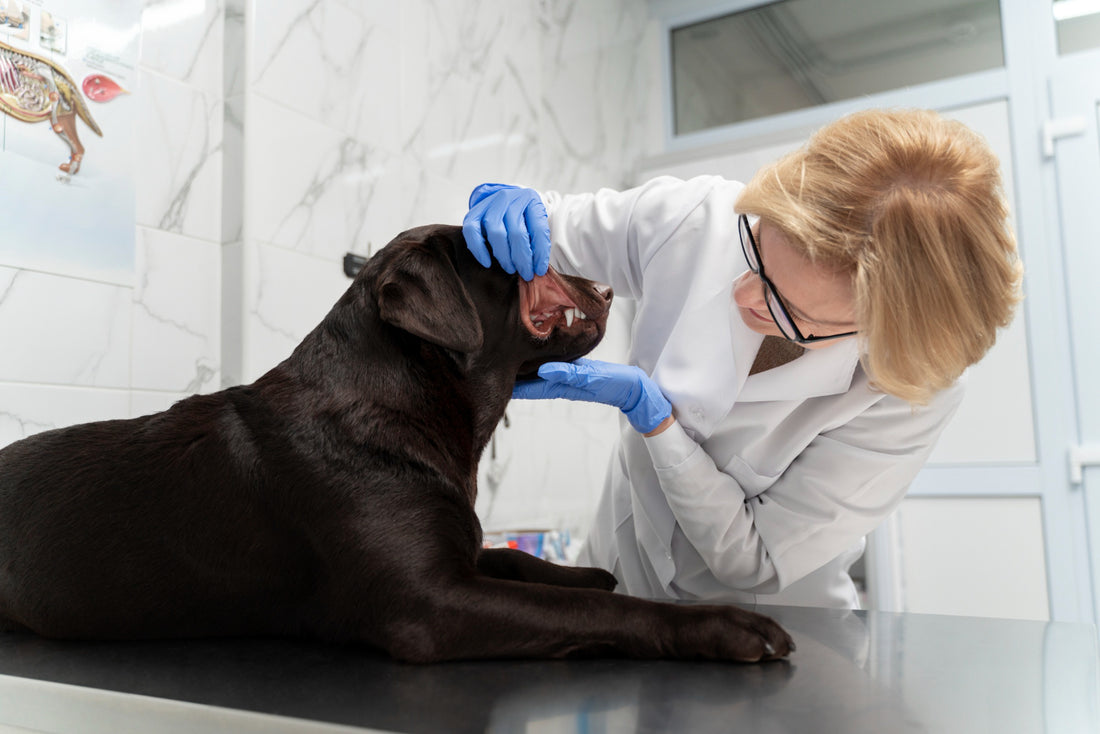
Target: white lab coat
<point>765,487</point>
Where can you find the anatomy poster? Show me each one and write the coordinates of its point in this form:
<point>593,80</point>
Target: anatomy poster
<point>68,73</point>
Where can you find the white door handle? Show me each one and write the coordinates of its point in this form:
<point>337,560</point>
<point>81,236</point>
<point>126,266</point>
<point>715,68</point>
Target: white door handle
<point>1079,458</point>
<point>1061,127</point>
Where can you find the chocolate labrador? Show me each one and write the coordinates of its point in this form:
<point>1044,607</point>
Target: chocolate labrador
<point>334,497</point>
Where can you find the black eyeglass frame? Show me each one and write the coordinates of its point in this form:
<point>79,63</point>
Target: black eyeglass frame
<point>756,265</point>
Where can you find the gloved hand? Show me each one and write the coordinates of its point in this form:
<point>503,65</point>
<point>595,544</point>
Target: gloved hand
<point>514,222</point>
<point>624,386</point>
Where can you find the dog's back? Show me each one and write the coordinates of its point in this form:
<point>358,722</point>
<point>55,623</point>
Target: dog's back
<point>133,527</point>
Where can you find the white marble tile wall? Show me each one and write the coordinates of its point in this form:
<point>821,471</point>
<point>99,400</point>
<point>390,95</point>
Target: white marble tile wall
<point>179,154</point>
<point>63,331</point>
<point>174,310</point>
<point>176,337</point>
<point>80,350</point>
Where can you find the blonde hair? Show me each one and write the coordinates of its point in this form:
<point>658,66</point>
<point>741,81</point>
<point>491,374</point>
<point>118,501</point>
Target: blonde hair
<point>910,204</point>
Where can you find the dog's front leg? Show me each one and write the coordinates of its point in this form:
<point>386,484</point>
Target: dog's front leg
<point>480,617</point>
<point>507,563</point>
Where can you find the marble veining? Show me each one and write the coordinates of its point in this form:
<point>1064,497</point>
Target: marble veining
<point>182,39</point>
<point>311,57</point>
<point>8,277</point>
<point>67,331</point>
<point>176,336</point>
<point>179,146</point>
<point>23,427</point>
<point>26,409</point>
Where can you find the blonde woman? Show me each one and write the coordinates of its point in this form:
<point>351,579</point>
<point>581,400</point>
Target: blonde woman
<point>799,345</point>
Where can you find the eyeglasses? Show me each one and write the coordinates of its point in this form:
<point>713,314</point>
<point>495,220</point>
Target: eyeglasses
<point>780,315</point>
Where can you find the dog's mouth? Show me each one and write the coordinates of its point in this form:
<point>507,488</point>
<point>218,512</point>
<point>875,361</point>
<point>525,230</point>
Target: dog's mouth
<point>544,305</point>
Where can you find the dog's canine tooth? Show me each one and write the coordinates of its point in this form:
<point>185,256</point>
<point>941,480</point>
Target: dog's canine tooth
<point>569,313</point>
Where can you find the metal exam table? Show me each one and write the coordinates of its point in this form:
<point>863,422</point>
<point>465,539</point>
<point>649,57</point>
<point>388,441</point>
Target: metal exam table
<point>854,672</point>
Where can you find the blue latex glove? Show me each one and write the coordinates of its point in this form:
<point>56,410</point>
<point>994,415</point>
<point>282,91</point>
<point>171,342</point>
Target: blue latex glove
<point>514,222</point>
<point>624,386</point>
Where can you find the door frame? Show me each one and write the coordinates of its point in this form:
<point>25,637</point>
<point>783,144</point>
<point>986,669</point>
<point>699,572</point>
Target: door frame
<point>1074,173</point>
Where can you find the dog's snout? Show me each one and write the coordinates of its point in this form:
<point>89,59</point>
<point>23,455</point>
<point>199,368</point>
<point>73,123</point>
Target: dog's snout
<point>604,291</point>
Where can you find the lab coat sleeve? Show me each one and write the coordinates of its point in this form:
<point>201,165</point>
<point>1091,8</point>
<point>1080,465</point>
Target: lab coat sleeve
<point>711,509</point>
<point>842,485</point>
<point>616,236</point>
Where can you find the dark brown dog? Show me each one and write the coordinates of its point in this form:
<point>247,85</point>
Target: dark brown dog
<point>333,497</point>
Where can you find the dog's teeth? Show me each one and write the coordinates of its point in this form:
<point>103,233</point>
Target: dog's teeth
<point>580,314</point>
<point>569,313</point>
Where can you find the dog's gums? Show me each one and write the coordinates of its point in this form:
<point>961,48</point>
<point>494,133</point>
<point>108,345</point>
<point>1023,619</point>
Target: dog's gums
<point>544,305</point>
<point>538,320</point>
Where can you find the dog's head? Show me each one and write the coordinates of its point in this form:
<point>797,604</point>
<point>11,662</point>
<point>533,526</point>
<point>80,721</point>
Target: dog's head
<point>429,285</point>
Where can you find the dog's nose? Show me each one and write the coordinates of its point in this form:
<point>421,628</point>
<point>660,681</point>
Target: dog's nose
<point>604,292</point>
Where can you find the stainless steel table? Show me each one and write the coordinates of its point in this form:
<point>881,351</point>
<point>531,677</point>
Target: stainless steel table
<point>853,672</point>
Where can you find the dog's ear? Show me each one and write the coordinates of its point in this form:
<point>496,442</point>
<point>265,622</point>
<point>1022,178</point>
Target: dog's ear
<point>421,293</point>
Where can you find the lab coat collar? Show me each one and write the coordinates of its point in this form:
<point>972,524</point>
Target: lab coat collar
<point>704,367</point>
<point>818,372</point>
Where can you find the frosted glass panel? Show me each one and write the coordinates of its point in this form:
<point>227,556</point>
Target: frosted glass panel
<point>1078,24</point>
<point>974,557</point>
<point>800,53</point>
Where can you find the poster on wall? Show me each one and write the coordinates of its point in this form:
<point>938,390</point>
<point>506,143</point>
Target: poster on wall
<point>68,72</point>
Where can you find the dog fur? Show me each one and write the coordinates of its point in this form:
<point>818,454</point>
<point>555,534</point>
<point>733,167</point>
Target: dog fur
<point>333,498</point>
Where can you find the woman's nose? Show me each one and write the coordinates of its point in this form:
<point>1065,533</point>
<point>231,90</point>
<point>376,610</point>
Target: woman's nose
<point>748,291</point>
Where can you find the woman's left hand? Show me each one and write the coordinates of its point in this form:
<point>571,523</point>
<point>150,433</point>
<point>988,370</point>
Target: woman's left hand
<point>624,386</point>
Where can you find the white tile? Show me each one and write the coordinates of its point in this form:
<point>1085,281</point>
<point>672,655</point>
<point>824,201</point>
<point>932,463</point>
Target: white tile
<point>574,28</point>
<point>326,60</point>
<point>473,90</point>
<point>431,199</point>
<point>144,402</point>
<point>312,188</point>
<point>593,122</point>
<point>30,409</point>
<point>63,330</point>
<point>178,161</point>
<point>183,40</point>
<point>286,295</point>
<point>598,83</point>
<point>177,311</point>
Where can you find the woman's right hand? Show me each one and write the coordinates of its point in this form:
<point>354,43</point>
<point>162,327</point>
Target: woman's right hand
<point>512,222</point>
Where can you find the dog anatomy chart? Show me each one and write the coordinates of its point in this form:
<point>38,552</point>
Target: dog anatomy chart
<point>68,72</point>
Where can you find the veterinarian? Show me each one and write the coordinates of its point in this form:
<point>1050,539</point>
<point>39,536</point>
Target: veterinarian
<point>799,344</point>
